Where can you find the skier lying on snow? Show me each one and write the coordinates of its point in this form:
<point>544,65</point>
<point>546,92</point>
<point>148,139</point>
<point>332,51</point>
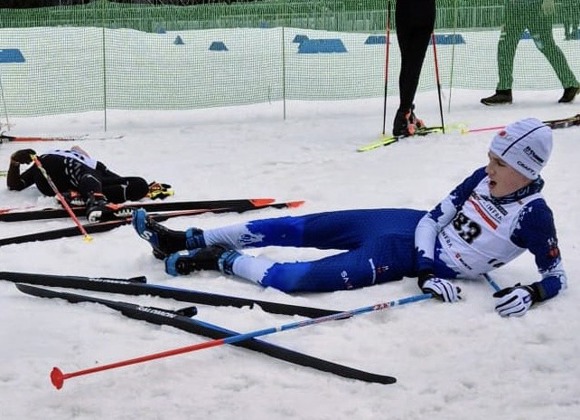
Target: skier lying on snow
<point>82,180</point>
<point>489,219</point>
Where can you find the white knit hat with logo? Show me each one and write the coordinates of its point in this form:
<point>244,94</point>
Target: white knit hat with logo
<point>524,145</point>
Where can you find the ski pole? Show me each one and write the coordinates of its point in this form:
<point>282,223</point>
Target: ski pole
<point>436,63</point>
<point>57,377</point>
<point>452,65</point>
<point>477,130</point>
<point>4,103</point>
<point>60,198</point>
<point>553,124</point>
<point>387,53</point>
<point>492,283</point>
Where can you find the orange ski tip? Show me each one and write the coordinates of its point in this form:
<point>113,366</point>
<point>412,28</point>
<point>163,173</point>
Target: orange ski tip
<point>295,204</point>
<point>259,202</point>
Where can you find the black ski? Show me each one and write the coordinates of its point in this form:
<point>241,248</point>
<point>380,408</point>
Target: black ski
<point>112,224</point>
<point>16,215</point>
<point>137,286</point>
<point>181,320</point>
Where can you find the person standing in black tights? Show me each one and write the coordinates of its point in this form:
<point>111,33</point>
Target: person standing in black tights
<point>415,21</point>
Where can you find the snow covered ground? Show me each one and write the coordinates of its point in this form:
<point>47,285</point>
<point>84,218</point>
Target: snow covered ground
<point>452,361</point>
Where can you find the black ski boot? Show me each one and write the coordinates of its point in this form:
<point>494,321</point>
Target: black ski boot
<point>98,209</point>
<point>403,125</point>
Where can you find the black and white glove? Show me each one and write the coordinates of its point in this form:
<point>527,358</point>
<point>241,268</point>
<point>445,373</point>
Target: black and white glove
<point>22,157</point>
<point>441,289</point>
<point>514,301</point>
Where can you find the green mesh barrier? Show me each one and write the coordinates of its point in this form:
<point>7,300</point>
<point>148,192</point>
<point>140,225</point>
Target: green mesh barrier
<point>107,55</point>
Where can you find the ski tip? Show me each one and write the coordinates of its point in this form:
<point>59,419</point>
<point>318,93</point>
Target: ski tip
<point>260,202</point>
<point>57,378</point>
<point>189,311</point>
<point>295,204</point>
<point>137,279</point>
<point>388,380</point>
<point>382,141</point>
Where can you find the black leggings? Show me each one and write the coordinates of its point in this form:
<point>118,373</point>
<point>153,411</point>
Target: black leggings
<point>415,21</point>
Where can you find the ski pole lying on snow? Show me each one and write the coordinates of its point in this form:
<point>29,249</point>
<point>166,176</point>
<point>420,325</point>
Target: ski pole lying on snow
<point>62,200</point>
<point>553,124</point>
<point>492,283</point>
<point>57,377</point>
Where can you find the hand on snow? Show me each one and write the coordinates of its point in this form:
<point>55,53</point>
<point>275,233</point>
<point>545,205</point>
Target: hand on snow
<point>442,289</point>
<point>513,301</point>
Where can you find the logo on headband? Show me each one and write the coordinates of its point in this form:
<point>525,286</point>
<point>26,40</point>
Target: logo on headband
<point>526,167</point>
<point>530,152</point>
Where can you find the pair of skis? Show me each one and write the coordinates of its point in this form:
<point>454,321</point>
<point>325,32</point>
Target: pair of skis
<point>182,319</point>
<point>386,141</point>
<point>20,215</point>
<point>164,211</point>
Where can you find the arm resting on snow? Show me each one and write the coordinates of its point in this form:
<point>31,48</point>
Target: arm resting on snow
<point>536,231</point>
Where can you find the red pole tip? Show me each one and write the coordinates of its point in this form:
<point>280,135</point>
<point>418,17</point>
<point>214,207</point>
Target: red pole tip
<point>57,378</point>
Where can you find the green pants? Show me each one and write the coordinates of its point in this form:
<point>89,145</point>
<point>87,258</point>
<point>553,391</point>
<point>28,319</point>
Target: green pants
<point>570,17</point>
<point>529,15</point>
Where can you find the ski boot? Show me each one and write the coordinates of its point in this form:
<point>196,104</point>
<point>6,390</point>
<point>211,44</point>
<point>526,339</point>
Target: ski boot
<point>163,240</point>
<point>214,257</point>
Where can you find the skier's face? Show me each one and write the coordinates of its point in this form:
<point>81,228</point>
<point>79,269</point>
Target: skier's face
<point>503,179</point>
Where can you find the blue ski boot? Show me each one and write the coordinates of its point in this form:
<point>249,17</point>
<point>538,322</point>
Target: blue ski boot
<point>163,240</point>
<point>214,257</point>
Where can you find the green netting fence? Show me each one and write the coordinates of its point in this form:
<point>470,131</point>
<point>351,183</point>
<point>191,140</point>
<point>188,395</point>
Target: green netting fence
<point>110,55</point>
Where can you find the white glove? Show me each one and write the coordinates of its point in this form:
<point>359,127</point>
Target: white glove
<point>442,289</point>
<point>513,301</point>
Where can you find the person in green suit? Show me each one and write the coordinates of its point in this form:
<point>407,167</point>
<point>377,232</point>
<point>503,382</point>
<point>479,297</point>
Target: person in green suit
<point>536,17</point>
<point>571,19</point>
